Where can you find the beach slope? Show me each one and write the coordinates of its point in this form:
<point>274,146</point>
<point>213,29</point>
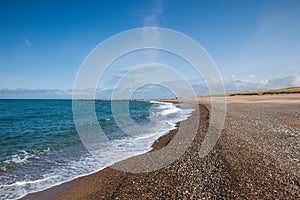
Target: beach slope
<point>256,157</point>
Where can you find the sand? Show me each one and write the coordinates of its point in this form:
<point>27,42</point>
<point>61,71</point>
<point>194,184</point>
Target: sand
<point>256,157</point>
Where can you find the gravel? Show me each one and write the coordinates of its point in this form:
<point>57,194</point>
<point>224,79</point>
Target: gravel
<point>256,157</point>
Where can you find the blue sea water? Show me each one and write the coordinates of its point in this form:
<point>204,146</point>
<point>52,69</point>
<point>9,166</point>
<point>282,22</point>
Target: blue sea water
<point>40,147</point>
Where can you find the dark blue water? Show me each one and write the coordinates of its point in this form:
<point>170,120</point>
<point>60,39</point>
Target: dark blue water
<point>40,147</point>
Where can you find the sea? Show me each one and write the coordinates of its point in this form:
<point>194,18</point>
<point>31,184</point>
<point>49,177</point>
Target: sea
<point>40,146</point>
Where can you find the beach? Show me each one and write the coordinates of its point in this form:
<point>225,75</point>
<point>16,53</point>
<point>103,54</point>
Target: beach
<point>257,156</point>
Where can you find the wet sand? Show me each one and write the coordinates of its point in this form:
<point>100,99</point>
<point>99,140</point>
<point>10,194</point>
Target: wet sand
<point>256,157</point>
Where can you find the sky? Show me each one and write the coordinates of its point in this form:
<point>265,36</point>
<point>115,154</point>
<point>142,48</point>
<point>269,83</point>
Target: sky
<point>254,44</point>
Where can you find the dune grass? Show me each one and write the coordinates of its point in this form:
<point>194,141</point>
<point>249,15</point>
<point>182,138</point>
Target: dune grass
<point>290,90</point>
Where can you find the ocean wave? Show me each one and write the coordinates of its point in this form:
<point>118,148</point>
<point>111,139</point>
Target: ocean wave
<point>170,111</point>
<point>24,156</point>
<point>55,166</point>
<point>3,169</point>
<point>164,109</point>
<point>155,102</point>
<point>21,183</point>
<point>20,158</point>
<point>144,137</point>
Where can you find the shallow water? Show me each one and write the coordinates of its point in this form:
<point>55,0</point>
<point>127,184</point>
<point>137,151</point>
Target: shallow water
<point>40,147</point>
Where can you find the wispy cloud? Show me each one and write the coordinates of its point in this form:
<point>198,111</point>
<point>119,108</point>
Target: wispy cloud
<point>252,82</point>
<point>154,16</point>
<point>296,81</point>
<point>25,93</point>
<point>234,83</point>
<point>27,42</point>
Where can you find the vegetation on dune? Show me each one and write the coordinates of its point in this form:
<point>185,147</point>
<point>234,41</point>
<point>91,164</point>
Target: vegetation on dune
<point>263,92</point>
<point>290,90</point>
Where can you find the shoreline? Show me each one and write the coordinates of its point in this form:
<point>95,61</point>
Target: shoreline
<point>54,191</point>
<point>255,157</point>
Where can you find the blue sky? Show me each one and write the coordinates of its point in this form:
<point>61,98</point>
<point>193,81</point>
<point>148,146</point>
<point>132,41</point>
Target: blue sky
<point>255,44</point>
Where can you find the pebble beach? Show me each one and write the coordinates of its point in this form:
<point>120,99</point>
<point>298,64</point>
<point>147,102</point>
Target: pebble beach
<point>257,156</point>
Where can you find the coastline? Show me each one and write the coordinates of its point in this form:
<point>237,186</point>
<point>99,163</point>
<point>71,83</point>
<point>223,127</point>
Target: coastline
<point>256,157</point>
<point>108,177</point>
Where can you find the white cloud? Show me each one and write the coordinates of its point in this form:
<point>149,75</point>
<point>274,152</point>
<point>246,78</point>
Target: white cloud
<point>153,18</point>
<point>27,42</point>
<point>241,83</point>
<point>234,83</point>
<point>25,93</point>
<point>296,81</point>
